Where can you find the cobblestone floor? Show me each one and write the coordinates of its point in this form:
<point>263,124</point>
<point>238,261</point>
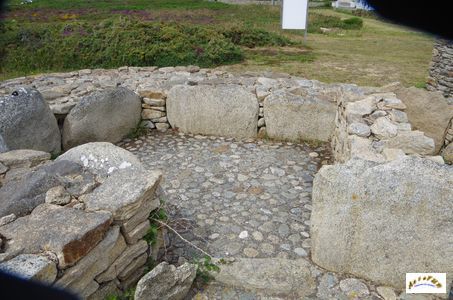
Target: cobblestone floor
<point>237,198</point>
<point>243,198</point>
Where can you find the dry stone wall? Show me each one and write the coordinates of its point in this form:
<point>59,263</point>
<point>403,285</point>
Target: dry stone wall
<point>88,222</point>
<point>441,69</point>
<point>376,128</point>
<point>314,108</point>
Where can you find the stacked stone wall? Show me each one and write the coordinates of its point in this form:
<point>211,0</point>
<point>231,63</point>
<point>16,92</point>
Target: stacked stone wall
<point>441,69</point>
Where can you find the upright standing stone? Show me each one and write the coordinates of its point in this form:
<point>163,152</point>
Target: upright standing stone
<point>26,122</point>
<point>104,116</point>
<point>227,110</point>
<point>297,118</point>
<point>380,221</point>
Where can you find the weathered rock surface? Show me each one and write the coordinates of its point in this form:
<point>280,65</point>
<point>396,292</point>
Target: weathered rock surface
<point>427,111</point>
<point>123,193</point>
<point>102,158</point>
<point>447,153</point>
<point>67,232</point>
<point>387,210</point>
<point>227,110</point>
<point>3,146</point>
<point>102,116</point>
<point>166,282</point>
<point>411,142</point>
<point>272,276</point>
<point>21,196</point>
<point>123,261</point>
<point>23,158</point>
<point>79,277</point>
<point>295,118</point>
<point>26,122</point>
<point>31,266</point>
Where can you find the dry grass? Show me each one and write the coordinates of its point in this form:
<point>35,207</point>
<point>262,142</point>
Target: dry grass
<point>378,54</point>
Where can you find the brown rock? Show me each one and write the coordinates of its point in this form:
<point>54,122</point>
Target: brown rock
<point>67,232</point>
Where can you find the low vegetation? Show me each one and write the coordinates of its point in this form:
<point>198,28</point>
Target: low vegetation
<point>59,35</point>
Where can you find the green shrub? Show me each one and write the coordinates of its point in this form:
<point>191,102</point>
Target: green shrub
<point>251,37</point>
<point>352,23</point>
<point>110,44</point>
<point>316,21</point>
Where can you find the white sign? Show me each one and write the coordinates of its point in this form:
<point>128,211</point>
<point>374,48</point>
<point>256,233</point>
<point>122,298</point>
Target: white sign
<point>294,15</point>
<point>426,283</point>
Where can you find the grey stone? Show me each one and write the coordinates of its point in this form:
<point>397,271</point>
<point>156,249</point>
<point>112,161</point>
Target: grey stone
<point>272,276</point>
<point>356,110</point>
<point>154,102</point>
<point>106,290</point>
<point>7,219</point>
<point>412,142</point>
<point>140,216</point>
<point>384,128</point>
<point>388,103</point>
<point>447,153</point>
<point>359,129</point>
<point>67,232</point>
<point>151,114</point>
<point>21,196</point>
<point>57,195</point>
<point>133,266</point>
<point>102,159</point>
<point>23,158</point>
<point>354,288</point>
<point>227,110</point>
<point>166,282</point>
<point>31,267</point>
<point>26,122</point>
<point>107,115</point>
<point>124,260</point>
<point>398,116</point>
<point>392,154</point>
<point>3,146</point>
<point>363,207</point>
<point>427,111</point>
<point>137,233</point>
<point>123,193</point>
<point>294,118</point>
<point>387,293</point>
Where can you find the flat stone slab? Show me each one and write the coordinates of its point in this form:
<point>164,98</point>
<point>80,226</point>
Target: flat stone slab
<point>23,158</point>
<point>80,276</point>
<point>68,232</point>
<point>123,193</point>
<point>31,267</point>
<point>271,276</point>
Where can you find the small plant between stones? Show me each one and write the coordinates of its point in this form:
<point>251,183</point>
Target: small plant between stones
<point>205,268</point>
<point>127,295</point>
<point>156,218</point>
<point>138,131</point>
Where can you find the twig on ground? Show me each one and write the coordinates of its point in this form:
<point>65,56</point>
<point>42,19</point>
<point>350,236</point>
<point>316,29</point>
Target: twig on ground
<point>188,242</point>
